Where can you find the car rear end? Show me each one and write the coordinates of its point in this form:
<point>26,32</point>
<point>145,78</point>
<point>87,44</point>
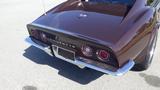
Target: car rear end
<point>76,49</point>
<point>83,33</point>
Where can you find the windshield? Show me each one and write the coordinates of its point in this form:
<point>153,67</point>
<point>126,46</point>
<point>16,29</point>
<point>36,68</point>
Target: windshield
<point>127,2</point>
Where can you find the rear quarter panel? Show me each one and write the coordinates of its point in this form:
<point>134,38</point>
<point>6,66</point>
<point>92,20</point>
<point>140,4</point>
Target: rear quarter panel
<point>143,21</point>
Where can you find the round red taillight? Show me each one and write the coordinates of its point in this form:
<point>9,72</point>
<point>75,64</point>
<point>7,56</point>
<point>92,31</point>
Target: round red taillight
<point>43,37</point>
<point>102,55</point>
<point>35,34</point>
<point>87,51</point>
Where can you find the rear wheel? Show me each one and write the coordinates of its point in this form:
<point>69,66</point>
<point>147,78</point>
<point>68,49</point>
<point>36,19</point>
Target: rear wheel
<point>148,56</point>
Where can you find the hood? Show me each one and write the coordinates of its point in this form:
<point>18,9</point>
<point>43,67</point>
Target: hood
<point>98,21</point>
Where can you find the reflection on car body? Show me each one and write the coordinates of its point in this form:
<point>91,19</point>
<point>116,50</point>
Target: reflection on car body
<point>111,36</point>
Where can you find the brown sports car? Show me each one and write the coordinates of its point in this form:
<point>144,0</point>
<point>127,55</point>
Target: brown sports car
<point>110,36</point>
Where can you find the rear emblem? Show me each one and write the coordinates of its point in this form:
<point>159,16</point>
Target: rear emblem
<point>83,15</point>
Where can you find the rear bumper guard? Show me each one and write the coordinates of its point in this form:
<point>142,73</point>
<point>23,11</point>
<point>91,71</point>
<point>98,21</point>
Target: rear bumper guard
<point>81,64</point>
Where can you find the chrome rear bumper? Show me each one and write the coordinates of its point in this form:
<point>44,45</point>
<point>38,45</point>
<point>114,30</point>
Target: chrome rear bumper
<point>82,64</point>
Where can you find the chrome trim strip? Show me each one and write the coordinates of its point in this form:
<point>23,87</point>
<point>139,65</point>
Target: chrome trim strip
<point>119,72</point>
<point>46,49</point>
<point>79,63</point>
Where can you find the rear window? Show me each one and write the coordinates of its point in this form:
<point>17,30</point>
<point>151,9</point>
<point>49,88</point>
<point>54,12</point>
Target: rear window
<point>127,2</point>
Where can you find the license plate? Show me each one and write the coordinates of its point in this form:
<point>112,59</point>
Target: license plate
<point>66,54</point>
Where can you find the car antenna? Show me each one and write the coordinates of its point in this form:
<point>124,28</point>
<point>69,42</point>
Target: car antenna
<point>44,7</point>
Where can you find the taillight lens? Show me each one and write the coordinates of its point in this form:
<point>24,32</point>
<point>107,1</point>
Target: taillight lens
<point>35,34</point>
<point>87,51</point>
<point>102,55</point>
<point>43,37</point>
<point>39,35</point>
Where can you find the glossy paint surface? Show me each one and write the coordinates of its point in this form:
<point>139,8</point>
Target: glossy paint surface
<point>96,21</point>
<point>126,32</point>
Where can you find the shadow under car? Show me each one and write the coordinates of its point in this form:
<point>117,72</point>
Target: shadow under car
<point>70,71</point>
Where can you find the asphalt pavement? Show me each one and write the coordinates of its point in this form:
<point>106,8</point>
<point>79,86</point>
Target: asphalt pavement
<point>24,67</point>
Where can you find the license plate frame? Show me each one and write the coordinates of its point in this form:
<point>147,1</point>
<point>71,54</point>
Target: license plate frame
<point>67,54</point>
